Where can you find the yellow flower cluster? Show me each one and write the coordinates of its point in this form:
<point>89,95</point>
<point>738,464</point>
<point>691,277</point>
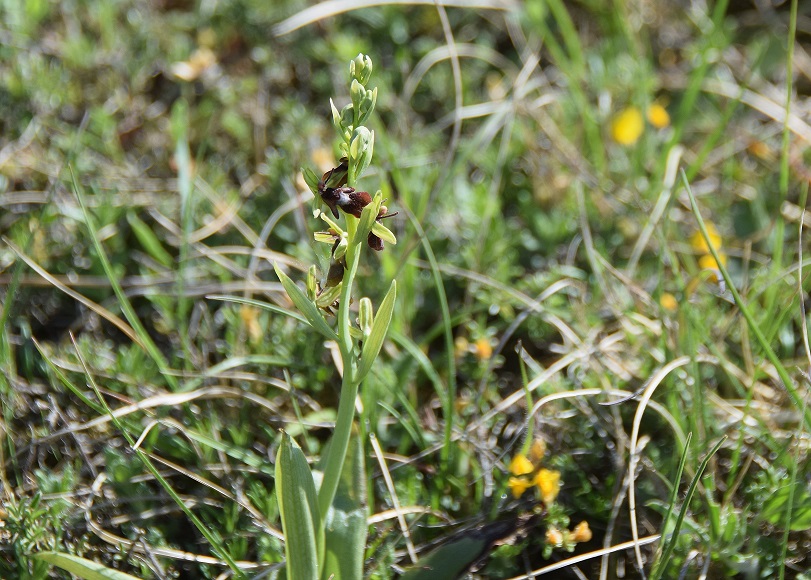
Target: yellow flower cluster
<point>481,348</point>
<point>525,474</point>
<point>558,538</point>
<point>628,125</point>
<point>706,261</point>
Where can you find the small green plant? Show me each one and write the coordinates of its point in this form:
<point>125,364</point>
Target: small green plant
<point>325,538</point>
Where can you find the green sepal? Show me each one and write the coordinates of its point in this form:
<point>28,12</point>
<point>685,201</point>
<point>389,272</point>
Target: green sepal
<point>384,233</point>
<point>367,219</point>
<point>311,179</point>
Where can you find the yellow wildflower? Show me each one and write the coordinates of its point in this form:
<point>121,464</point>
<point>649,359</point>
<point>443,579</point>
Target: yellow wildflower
<point>548,482</point>
<point>761,150</point>
<point>657,116</point>
<point>250,318</point>
<point>483,349</point>
<point>460,345</point>
<point>699,244</point>
<point>201,60</point>
<point>554,537</point>
<point>520,465</point>
<point>668,302</point>
<point>581,532</point>
<point>627,126</point>
<point>537,450</point>
<point>707,262</point>
<point>518,485</point>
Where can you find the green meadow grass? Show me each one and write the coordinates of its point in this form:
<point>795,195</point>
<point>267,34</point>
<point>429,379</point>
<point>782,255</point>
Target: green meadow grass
<point>634,297</point>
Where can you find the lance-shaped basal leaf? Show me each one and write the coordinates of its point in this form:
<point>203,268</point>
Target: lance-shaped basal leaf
<point>346,526</point>
<point>81,567</point>
<point>298,506</point>
<point>305,306</point>
<point>380,326</point>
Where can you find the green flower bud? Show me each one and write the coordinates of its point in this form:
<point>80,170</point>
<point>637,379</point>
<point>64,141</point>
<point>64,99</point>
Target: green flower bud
<point>360,68</point>
<point>328,297</point>
<point>312,286</point>
<point>366,105</point>
<point>361,147</point>
<point>347,117</point>
<point>336,116</point>
<point>357,93</point>
<point>365,317</point>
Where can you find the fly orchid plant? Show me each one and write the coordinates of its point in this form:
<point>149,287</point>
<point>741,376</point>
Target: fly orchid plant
<point>325,538</point>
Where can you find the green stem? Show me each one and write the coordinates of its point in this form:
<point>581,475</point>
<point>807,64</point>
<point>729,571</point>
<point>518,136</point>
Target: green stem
<point>349,386</point>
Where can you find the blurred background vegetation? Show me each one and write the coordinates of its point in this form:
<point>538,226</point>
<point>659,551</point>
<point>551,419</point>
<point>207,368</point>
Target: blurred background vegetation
<point>541,241</point>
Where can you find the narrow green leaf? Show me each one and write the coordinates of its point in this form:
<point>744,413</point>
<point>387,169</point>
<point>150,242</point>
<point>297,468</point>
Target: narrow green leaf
<point>665,559</point>
<point>298,505</point>
<point>149,241</point>
<point>305,306</point>
<point>346,529</point>
<point>124,302</point>
<point>244,455</point>
<point>258,304</point>
<point>449,560</point>
<point>372,346</point>
<point>674,496</point>
<point>81,567</point>
<point>797,499</point>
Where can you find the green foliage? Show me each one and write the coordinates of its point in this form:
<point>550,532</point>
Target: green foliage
<point>149,183</point>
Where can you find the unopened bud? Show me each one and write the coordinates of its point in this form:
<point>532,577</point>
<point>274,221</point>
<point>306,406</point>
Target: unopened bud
<point>312,284</point>
<point>365,317</point>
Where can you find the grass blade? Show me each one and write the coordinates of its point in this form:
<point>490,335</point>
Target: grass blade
<point>668,551</point>
<point>658,563</point>
<point>126,307</point>
<point>213,539</point>
<point>149,241</point>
